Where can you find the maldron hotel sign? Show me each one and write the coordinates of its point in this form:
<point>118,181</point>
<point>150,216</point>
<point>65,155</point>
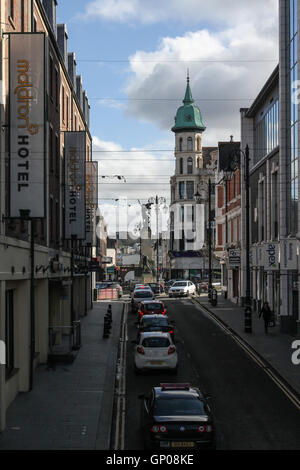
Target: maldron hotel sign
<point>27,124</point>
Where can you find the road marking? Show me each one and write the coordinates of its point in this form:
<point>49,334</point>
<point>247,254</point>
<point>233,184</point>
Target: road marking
<point>261,363</point>
<point>121,387</point>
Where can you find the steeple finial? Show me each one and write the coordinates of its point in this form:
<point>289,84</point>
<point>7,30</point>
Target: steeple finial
<point>188,99</point>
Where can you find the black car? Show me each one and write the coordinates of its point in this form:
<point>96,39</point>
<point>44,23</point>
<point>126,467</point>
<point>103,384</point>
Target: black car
<point>156,288</point>
<point>155,323</point>
<point>177,416</point>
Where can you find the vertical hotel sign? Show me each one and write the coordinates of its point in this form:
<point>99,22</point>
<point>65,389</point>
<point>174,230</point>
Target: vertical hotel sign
<point>91,202</point>
<point>27,124</point>
<point>75,187</point>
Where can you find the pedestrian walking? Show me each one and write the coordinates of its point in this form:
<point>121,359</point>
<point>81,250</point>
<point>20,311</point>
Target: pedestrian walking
<point>266,314</point>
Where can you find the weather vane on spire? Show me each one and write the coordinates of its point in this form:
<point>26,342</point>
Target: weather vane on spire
<point>188,76</point>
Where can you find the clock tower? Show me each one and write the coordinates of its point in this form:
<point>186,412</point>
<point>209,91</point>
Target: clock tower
<point>193,165</point>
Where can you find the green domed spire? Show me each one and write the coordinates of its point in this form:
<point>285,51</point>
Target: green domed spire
<point>188,117</point>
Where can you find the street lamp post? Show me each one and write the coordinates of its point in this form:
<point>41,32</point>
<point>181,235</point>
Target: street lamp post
<point>157,200</point>
<point>227,175</point>
<point>248,308</point>
<point>248,303</point>
<point>198,199</point>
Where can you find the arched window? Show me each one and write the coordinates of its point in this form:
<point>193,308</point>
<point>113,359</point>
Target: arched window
<point>181,166</point>
<point>190,143</point>
<point>190,166</point>
<point>180,144</point>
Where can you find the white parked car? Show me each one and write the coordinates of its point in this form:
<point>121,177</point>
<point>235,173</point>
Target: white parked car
<point>182,288</point>
<point>155,350</point>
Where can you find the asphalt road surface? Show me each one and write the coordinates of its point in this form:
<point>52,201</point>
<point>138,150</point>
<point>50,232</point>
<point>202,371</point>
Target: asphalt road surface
<point>250,411</point>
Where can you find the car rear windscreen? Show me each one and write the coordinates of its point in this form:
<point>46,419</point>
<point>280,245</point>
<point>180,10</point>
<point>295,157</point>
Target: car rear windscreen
<point>155,321</point>
<point>179,284</point>
<point>155,342</point>
<point>143,294</point>
<point>153,307</point>
<point>179,406</point>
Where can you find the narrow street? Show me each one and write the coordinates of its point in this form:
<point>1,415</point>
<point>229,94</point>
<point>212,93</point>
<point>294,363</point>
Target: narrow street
<point>250,411</point>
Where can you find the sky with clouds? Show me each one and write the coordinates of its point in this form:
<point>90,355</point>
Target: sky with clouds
<point>134,55</point>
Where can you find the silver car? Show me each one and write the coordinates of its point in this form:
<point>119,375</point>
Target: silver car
<point>138,296</point>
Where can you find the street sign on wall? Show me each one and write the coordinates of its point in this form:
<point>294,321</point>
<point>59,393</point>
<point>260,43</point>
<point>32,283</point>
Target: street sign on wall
<point>91,203</point>
<point>288,254</point>
<point>27,124</point>
<point>75,185</point>
<point>234,257</point>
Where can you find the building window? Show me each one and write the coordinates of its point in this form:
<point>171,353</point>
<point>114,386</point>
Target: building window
<point>51,221</point>
<point>190,166</point>
<point>67,109</point>
<point>34,25</point>
<point>190,143</point>
<point>180,144</point>
<point>57,155</point>
<point>11,8</point>
<point>57,218</point>
<point>190,189</point>
<point>51,78</point>
<point>56,88</point>
<point>267,133</point>
<point>63,103</point>
<point>22,16</point>
<point>181,190</point>
<point>9,331</point>
<point>181,166</point>
<point>51,149</point>
<point>292,176</point>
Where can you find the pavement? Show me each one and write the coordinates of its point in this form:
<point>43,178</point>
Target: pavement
<point>274,347</point>
<point>70,407</point>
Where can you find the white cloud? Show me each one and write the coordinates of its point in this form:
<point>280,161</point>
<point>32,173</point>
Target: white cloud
<point>145,11</point>
<point>146,174</point>
<point>235,64</point>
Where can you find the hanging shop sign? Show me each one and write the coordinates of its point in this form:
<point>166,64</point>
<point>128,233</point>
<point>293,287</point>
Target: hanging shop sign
<point>271,256</point>
<point>288,254</point>
<point>27,124</point>
<point>75,185</point>
<point>234,257</point>
<point>91,169</point>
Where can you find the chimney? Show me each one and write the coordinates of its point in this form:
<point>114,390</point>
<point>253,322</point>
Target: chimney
<point>62,39</point>
<point>79,90</point>
<point>72,68</point>
<point>50,9</point>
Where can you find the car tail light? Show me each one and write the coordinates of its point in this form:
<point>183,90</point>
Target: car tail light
<point>164,312</point>
<point>156,429</point>
<point>140,313</point>
<point>171,332</point>
<point>140,350</point>
<point>171,350</point>
<point>205,428</point>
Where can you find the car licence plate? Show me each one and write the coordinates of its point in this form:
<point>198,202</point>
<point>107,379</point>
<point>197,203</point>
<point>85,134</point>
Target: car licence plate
<point>182,444</point>
<point>156,363</point>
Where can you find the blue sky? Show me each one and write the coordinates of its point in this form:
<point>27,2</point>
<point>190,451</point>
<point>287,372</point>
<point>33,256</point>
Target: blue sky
<point>229,47</point>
